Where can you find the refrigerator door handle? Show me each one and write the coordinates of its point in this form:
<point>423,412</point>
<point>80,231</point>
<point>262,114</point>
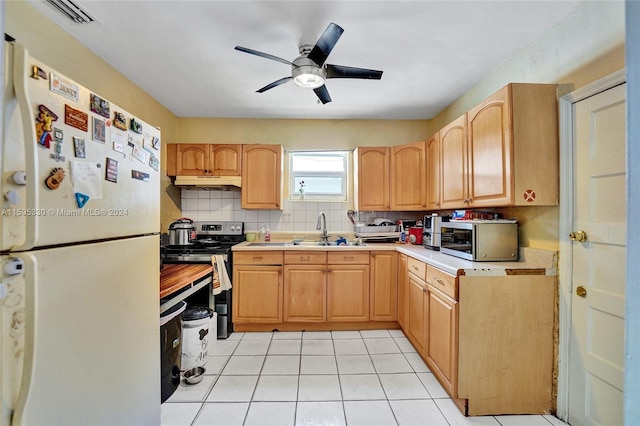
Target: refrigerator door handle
<point>21,87</point>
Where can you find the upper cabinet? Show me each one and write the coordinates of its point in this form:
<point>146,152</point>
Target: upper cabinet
<point>503,152</point>
<point>433,172</point>
<point>408,177</point>
<point>262,177</point>
<point>372,178</point>
<point>204,160</point>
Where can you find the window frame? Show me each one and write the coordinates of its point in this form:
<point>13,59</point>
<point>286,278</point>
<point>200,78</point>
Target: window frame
<point>294,194</point>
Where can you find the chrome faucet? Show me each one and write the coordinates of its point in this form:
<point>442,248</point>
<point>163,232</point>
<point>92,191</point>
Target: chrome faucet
<point>325,235</point>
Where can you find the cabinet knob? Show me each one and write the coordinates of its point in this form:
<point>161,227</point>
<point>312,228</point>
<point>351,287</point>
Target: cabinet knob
<point>373,254</point>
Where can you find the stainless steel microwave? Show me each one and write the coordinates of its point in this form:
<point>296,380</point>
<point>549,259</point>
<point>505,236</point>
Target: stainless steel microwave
<point>480,241</point>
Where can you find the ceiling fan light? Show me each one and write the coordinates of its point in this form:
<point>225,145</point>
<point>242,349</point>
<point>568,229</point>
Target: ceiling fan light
<point>308,77</point>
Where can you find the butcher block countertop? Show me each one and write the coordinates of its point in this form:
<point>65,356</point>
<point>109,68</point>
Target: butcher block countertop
<point>174,277</point>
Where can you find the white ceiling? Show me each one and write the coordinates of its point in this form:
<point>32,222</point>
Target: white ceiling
<point>182,52</point>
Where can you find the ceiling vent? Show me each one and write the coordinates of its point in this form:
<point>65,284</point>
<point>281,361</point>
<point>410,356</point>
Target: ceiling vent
<point>72,11</point>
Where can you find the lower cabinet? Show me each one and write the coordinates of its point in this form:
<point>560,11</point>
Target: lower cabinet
<point>441,349</point>
<point>384,286</point>
<point>348,293</point>
<point>259,297</point>
<point>416,318</point>
<point>305,293</point>
<point>403,290</point>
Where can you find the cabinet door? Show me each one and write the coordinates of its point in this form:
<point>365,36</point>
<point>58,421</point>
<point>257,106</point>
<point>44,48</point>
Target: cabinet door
<point>490,151</point>
<point>305,289</point>
<point>453,172</point>
<point>442,339</point>
<point>417,313</point>
<point>372,179</point>
<point>383,288</point>
<point>408,177</point>
<point>225,160</point>
<point>348,293</point>
<point>192,159</point>
<point>257,294</point>
<point>433,172</point>
<point>403,290</point>
<point>262,177</point>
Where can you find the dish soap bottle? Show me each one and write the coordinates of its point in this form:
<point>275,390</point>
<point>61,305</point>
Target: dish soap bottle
<point>267,235</point>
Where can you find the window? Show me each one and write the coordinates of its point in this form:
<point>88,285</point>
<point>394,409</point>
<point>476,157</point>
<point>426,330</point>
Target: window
<point>318,175</point>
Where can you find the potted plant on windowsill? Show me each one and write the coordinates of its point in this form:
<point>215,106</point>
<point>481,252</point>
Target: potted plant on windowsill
<point>301,189</point>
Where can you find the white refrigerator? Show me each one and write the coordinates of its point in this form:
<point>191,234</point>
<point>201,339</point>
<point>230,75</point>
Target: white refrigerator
<point>79,288</point>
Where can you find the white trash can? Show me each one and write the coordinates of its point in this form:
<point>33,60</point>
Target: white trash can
<point>196,336</point>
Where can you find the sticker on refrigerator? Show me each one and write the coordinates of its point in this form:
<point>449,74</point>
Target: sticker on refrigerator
<point>111,172</point>
<point>155,143</point>
<point>43,125</point>
<point>154,162</point>
<point>140,154</point>
<point>136,174</point>
<point>119,120</point>
<point>86,178</point>
<point>81,199</point>
<point>79,148</point>
<point>76,118</point>
<point>118,147</point>
<point>64,87</point>
<point>100,106</point>
<point>135,126</point>
<point>38,73</point>
<point>99,130</point>
<point>55,178</point>
<point>57,136</point>
<point>118,137</point>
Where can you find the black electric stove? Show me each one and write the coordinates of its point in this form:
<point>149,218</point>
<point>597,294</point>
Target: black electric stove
<point>212,238</point>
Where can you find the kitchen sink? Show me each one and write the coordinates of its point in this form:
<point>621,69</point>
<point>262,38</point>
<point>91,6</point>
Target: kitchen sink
<point>322,244</point>
<point>268,244</point>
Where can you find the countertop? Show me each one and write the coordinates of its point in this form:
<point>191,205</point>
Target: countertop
<point>174,277</point>
<point>532,261</point>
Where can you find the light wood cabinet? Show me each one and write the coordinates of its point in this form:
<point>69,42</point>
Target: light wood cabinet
<point>408,177</point>
<point>262,177</point>
<point>433,172</point>
<point>453,162</point>
<point>383,292</point>
<point>504,151</point>
<point>441,350</point>
<point>403,290</point>
<point>416,318</point>
<point>257,288</point>
<point>372,179</point>
<point>348,293</point>
<point>305,293</point>
<point>204,160</point>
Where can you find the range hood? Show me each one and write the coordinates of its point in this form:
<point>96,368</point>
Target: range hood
<point>210,182</point>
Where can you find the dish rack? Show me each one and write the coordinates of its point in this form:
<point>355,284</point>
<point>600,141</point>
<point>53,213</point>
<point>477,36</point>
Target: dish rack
<point>376,233</point>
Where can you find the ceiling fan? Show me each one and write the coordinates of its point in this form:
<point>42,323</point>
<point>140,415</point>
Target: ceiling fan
<point>309,69</point>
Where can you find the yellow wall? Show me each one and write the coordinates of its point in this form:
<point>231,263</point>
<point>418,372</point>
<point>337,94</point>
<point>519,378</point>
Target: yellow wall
<point>303,134</point>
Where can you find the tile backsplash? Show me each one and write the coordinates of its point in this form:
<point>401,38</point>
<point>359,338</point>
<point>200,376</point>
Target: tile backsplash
<point>296,216</point>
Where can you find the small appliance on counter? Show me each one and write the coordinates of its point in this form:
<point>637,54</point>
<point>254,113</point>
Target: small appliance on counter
<point>431,232</point>
<point>481,240</point>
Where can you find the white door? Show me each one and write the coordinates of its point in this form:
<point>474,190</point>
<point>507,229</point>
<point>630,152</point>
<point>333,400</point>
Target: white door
<point>598,287</point>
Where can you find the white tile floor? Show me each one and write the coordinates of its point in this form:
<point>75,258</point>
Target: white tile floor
<point>369,378</point>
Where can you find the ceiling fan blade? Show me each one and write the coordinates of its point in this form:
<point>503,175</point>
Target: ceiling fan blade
<point>340,71</point>
<point>323,94</point>
<point>274,84</point>
<point>325,44</point>
<point>262,54</point>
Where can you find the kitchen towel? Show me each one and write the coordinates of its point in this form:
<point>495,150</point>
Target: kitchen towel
<point>221,281</point>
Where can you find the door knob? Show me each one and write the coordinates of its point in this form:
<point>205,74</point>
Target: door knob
<point>579,236</point>
<point>581,291</point>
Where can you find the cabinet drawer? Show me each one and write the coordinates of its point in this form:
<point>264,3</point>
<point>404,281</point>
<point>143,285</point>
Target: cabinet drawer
<point>359,258</point>
<point>305,258</point>
<point>417,268</point>
<point>442,281</point>
<point>257,258</point>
